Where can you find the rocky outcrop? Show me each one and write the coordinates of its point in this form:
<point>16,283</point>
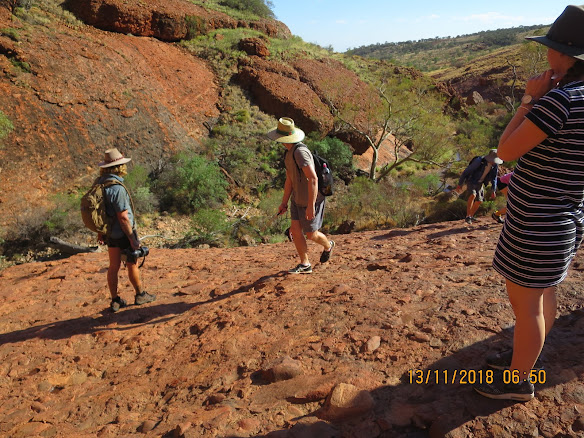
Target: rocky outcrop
<point>307,90</point>
<point>284,96</point>
<point>254,47</point>
<point>167,20</point>
<point>72,92</point>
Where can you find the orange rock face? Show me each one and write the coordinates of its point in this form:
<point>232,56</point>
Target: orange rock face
<point>82,91</point>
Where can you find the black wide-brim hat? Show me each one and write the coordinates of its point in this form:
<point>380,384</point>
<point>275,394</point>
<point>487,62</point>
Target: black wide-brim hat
<point>566,35</point>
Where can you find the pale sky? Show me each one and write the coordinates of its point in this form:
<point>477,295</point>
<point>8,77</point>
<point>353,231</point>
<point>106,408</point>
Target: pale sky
<point>345,24</point>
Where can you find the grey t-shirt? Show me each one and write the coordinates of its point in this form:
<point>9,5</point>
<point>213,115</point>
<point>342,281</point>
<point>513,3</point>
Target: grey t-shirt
<point>294,165</point>
<point>117,200</point>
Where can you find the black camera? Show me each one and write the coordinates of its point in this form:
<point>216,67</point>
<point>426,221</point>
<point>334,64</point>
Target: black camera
<point>132,255</point>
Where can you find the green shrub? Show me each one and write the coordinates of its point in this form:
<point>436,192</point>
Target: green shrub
<point>209,227</point>
<point>138,183</point>
<point>191,183</point>
<point>268,225</point>
<point>11,33</point>
<point>338,154</point>
<point>257,7</point>
<point>372,205</point>
<point>6,125</point>
<point>196,26</point>
<point>23,66</point>
<point>243,116</point>
<point>65,216</point>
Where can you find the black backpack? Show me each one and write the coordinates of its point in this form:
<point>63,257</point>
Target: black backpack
<point>323,171</point>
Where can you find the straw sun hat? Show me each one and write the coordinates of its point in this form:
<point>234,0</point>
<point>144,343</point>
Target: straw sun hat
<point>286,132</point>
<point>113,157</point>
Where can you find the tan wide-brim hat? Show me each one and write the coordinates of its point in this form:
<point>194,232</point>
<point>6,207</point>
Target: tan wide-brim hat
<point>286,132</point>
<point>492,157</point>
<point>566,35</point>
<point>113,157</point>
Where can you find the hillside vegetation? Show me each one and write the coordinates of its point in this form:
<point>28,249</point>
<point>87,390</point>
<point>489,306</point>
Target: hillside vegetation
<point>227,187</point>
<point>432,54</point>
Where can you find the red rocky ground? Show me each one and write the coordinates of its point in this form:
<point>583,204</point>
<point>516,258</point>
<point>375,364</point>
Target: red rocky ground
<point>234,347</point>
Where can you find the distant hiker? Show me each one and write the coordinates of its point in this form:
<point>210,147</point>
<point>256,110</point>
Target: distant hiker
<point>502,183</point>
<point>479,172</point>
<point>545,214</point>
<point>301,189</point>
<point>123,234</point>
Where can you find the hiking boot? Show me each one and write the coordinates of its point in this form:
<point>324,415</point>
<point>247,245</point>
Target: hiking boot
<point>502,361</point>
<point>468,220</point>
<point>498,218</point>
<point>522,391</point>
<point>143,298</point>
<point>117,304</point>
<point>326,255</point>
<point>301,269</point>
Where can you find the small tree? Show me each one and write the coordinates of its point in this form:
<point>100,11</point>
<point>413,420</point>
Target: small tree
<point>408,115</point>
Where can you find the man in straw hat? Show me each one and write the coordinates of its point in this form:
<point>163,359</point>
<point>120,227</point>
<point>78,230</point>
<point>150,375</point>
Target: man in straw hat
<point>301,189</point>
<point>544,226</point>
<point>123,234</point>
<point>479,172</point>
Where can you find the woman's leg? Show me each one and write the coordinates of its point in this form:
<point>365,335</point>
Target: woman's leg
<point>550,307</point>
<point>530,326</point>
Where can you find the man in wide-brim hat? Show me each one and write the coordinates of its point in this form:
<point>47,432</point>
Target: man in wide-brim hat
<point>301,190</point>
<point>123,233</point>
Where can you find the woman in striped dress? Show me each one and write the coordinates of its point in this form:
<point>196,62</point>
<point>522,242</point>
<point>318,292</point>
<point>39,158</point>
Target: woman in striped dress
<point>545,217</point>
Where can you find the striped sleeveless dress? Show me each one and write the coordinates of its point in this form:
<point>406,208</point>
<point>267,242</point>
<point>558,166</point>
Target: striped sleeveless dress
<point>545,219</point>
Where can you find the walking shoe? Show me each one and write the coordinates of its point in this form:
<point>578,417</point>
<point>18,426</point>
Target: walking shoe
<point>522,391</point>
<point>468,220</point>
<point>498,218</point>
<point>143,298</point>
<point>117,304</point>
<point>326,255</point>
<point>502,361</point>
<point>301,269</point>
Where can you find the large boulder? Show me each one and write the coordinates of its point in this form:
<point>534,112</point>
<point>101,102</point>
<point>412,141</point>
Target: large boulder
<point>307,90</point>
<point>167,20</point>
<point>283,96</point>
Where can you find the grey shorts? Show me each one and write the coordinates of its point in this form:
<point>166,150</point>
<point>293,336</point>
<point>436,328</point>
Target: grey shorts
<point>299,214</point>
<point>478,190</point>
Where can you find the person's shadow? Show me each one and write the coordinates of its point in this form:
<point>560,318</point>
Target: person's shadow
<point>125,319</point>
<point>435,409</point>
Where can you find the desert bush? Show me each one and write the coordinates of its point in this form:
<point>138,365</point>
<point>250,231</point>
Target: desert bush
<point>257,7</point>
<point>10,33</point>
<point>373,205</point>
<point>268,225</point>
<point>33,227</point>
<point>190,183</point>
<point>64,218</point>
<point>219,48</point>
<point>338,154</point>
<point>291,48</point>
<point>138,183</point>
<point>6,126</point>
<point>208,227</point>
<point>240,9</point>
<point>196,26</point>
